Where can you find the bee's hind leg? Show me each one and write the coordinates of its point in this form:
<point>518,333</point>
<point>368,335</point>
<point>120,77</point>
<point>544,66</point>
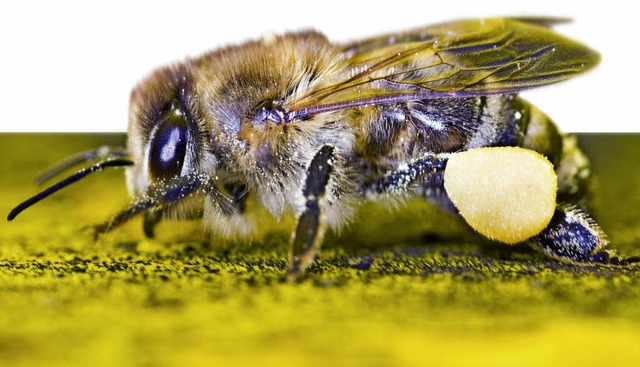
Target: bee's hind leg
<point>573,236</point>
<point>310,220</point>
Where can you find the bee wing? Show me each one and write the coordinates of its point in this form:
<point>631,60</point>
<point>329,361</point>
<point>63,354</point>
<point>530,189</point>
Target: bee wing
<point>459,59</point>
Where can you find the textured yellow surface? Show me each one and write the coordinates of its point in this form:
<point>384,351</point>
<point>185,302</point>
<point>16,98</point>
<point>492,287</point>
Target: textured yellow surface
<point>412,288</point>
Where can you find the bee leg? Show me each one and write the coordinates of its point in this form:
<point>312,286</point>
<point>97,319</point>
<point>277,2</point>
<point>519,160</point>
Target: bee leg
<point>573,236</point>
<point>154,199</point>
<point>427,171</point>
<point>150,219</point>
<point>434,192</point>
<point>239,194</point>
<point>311,223</point>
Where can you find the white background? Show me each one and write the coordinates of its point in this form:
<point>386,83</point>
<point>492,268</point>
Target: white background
<point>70,66</point>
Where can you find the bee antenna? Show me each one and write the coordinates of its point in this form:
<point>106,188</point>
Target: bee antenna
<point>104,152</point>
<point>116,162</point>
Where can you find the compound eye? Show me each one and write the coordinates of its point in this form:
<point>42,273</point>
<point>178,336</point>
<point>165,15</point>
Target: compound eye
<point>169,145</point>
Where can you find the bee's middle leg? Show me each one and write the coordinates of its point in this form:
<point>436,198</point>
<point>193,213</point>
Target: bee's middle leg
<point>311,222</point>
<point>424,172</point>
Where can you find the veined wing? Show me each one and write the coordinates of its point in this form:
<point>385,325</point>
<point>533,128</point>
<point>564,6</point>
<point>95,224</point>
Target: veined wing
<point>459,59</point>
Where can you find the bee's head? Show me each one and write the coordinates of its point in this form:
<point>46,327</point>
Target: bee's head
<point>164,155</point>
<point>164,137</point>
<point>170,145</point>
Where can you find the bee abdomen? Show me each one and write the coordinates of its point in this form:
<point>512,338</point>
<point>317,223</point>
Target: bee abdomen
<point>571,165</point>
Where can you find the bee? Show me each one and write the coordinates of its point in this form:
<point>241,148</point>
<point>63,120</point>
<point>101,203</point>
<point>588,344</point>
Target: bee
<point>299,124</point>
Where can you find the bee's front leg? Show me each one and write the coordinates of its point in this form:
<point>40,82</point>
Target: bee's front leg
<point>150,220</point>
<point>311,222</point>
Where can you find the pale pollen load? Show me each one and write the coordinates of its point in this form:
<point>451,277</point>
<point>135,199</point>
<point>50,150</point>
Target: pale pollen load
<point>507,194</point>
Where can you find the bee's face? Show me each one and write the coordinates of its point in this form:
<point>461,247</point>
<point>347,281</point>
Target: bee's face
<point>163,135</point>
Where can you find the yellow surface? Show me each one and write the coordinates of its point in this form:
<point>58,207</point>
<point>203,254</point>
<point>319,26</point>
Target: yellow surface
<point>412,288</point>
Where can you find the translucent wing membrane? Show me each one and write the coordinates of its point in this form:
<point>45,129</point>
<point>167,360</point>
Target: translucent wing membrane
<point>460,59</point>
